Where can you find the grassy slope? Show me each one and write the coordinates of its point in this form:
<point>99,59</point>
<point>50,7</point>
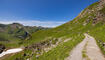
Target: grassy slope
<point>61,51</point>
<point>9,41</point>
<point>71,29</point>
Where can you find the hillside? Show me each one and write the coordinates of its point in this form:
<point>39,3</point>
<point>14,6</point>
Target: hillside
<point>13,35</point>
<point>56,43</point>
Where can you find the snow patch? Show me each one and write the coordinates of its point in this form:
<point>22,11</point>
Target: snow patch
<point>10,51</point>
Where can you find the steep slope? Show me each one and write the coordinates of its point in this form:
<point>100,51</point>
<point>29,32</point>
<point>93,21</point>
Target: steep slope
<point>90,20</point>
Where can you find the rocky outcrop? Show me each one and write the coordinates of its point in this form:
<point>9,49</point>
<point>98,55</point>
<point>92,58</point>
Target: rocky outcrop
<point>102,2</point>
<point>2,48</point>
<point>41,47</point>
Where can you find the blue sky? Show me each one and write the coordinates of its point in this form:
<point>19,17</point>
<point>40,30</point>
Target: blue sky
<point>47,13</point>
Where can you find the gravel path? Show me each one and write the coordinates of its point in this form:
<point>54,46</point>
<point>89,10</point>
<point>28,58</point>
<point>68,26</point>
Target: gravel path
<point>92,50</point>
<point>76,53</point>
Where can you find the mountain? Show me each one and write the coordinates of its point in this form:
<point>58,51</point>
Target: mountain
<point>56,43</point>
<point>13,34</point>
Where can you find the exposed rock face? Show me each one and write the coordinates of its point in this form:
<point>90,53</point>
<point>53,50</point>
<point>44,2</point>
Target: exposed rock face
<point>102,2</point>
<point>96,12</point>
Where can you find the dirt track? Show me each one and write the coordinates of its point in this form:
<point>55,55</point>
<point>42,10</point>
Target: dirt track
<point>92,50</point>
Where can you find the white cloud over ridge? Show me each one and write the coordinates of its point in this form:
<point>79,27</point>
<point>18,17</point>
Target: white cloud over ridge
<point>33,23</point>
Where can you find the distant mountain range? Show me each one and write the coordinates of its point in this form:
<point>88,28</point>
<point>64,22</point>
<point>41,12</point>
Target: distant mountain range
<point>15,33</point>
<point>18,30</point>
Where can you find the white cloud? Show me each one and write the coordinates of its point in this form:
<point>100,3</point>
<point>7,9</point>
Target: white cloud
<point>34,23</point>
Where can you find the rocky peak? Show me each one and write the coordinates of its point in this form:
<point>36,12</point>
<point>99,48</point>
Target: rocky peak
<point>102,2</point>
<point>16,25</point>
